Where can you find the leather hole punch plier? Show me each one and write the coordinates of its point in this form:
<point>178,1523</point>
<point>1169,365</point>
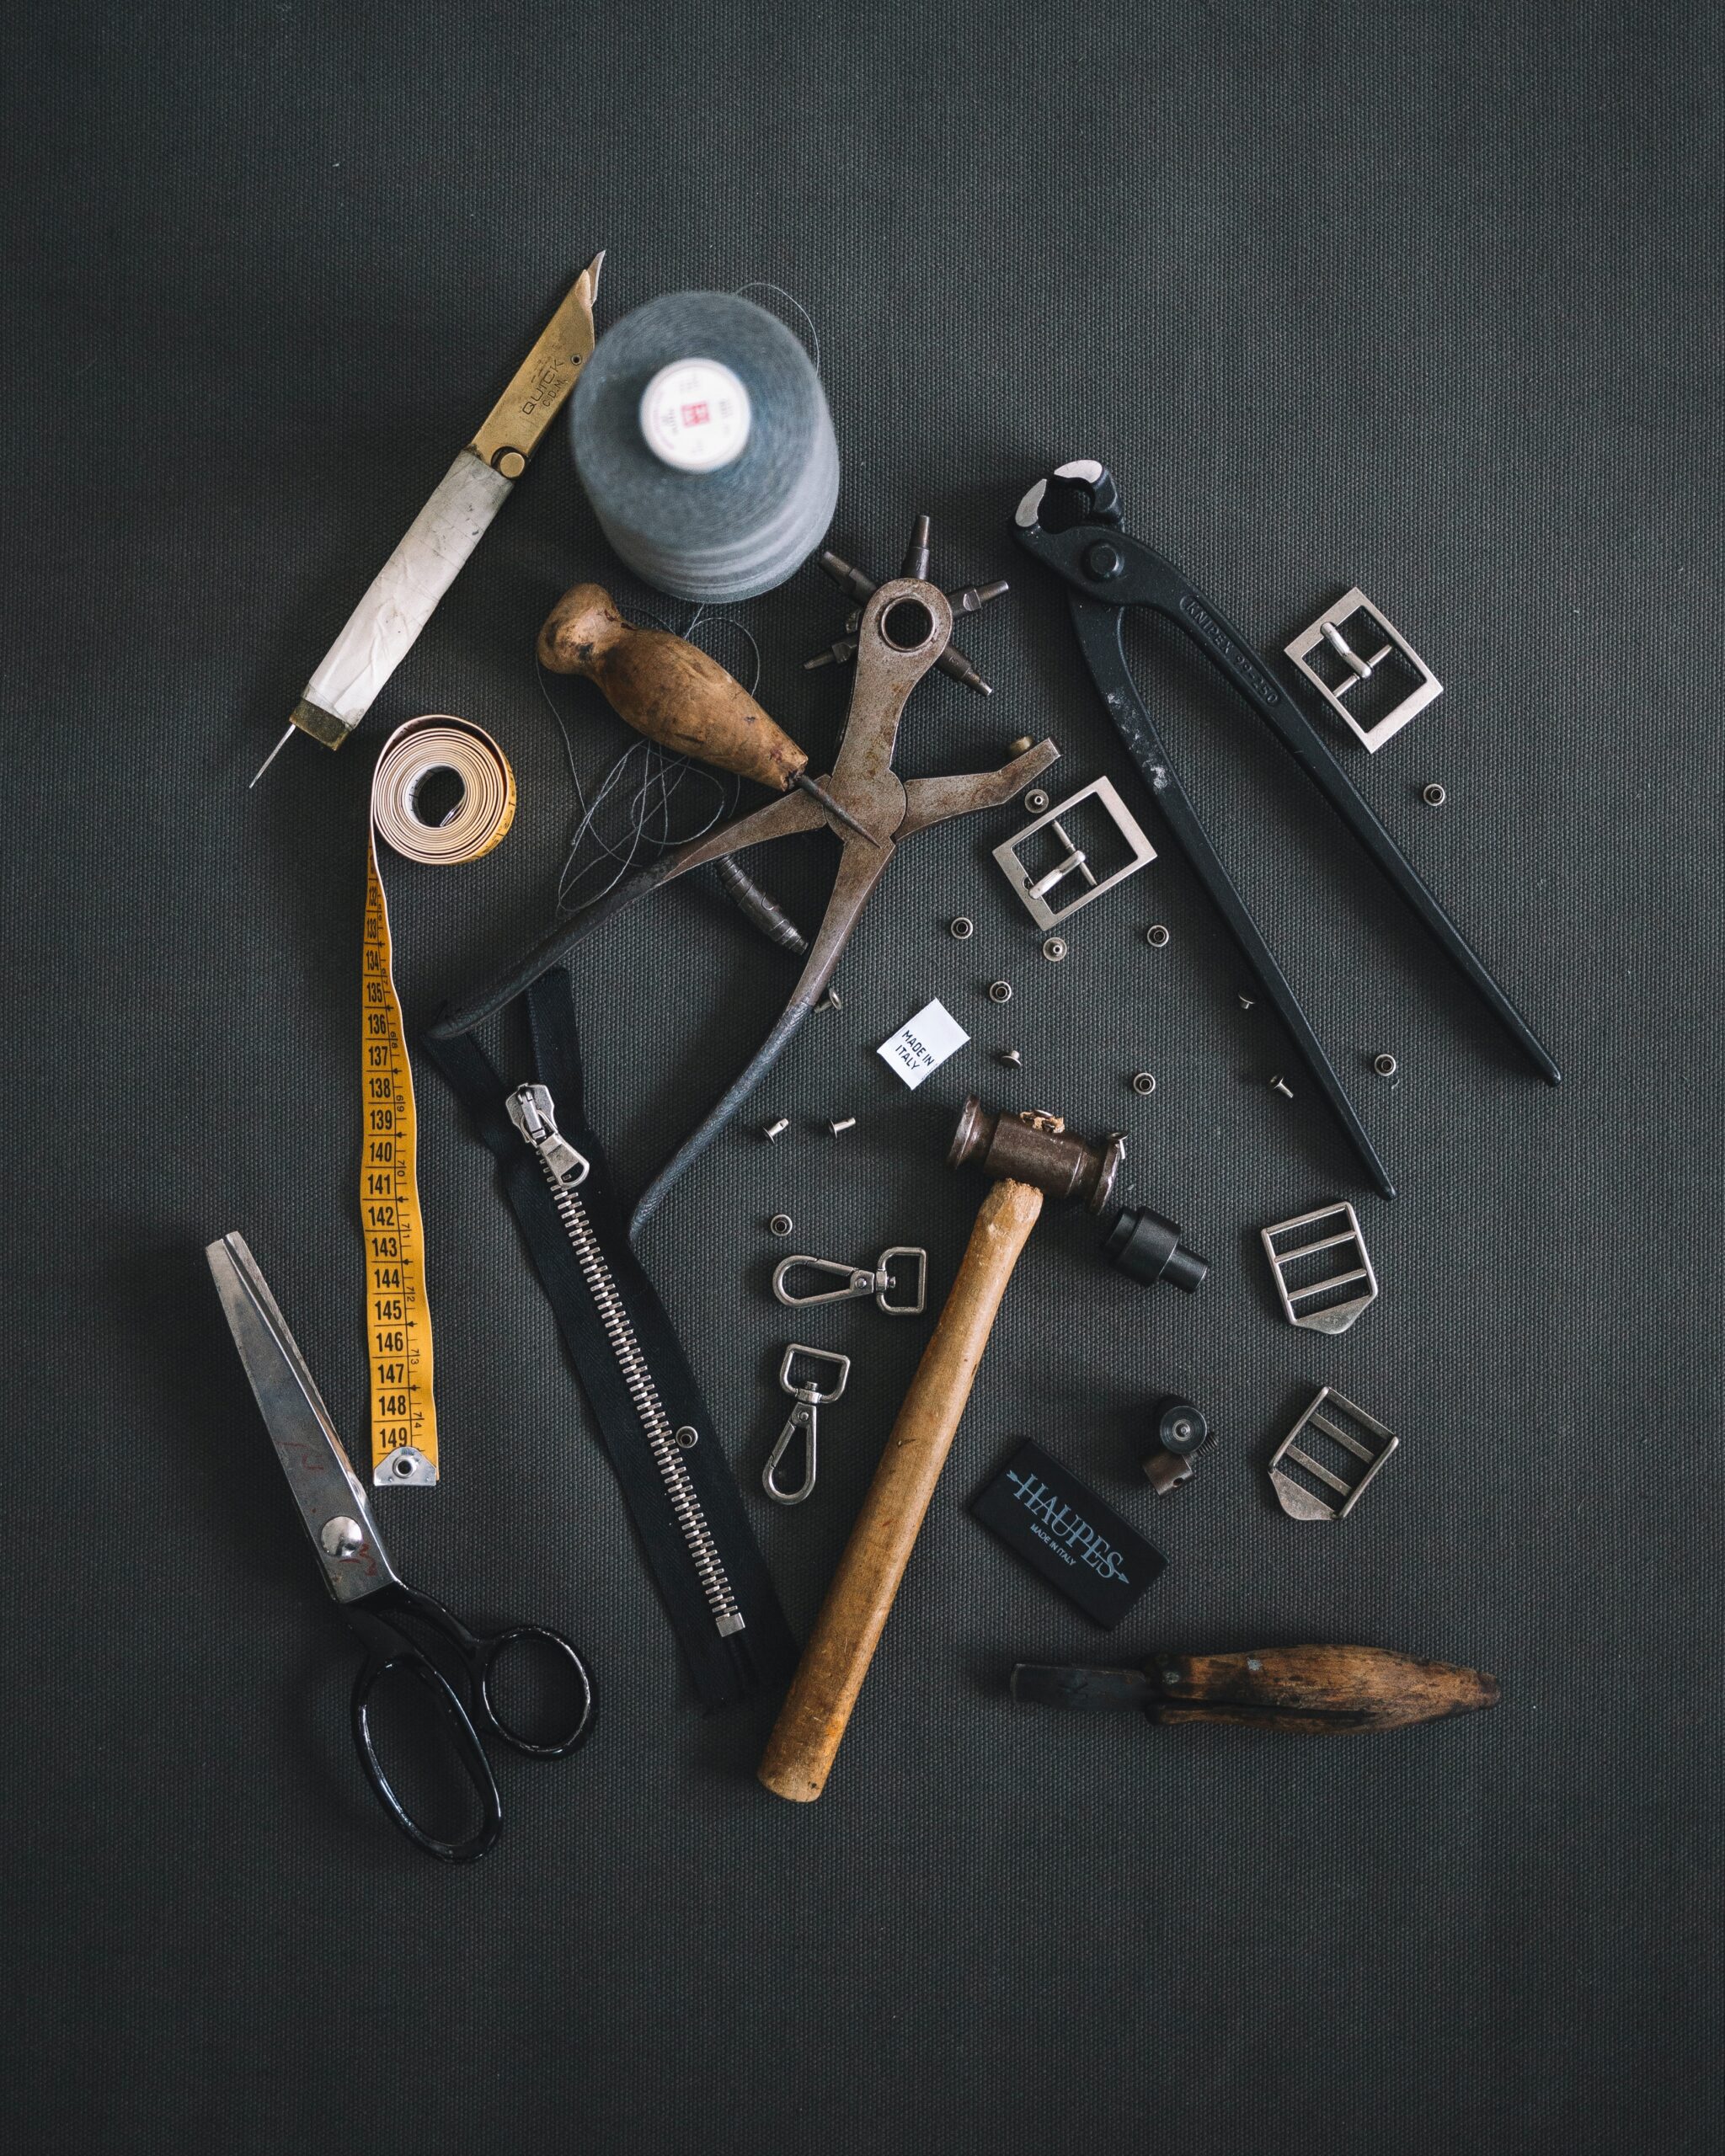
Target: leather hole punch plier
<point>905,628</point>
<point>1071,523</point>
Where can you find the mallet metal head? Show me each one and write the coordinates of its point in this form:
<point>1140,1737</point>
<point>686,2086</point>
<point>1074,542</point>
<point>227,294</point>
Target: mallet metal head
<point>1034,1147</point>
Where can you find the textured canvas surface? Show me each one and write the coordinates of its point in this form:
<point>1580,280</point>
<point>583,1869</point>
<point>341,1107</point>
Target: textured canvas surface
<point>1424,298</point>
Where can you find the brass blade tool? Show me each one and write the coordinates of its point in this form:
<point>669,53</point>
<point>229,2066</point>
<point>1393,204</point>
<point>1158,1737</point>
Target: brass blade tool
<point>401,597</point>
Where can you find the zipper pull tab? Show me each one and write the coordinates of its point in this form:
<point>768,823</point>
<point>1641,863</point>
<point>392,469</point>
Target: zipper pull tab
<point>532,1113</point>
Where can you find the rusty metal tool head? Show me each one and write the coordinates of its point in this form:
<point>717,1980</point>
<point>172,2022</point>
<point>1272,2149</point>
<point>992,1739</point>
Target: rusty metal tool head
<point>905,626</point>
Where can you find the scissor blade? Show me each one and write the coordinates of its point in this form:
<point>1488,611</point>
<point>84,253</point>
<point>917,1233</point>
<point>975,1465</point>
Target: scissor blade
<point>330,1496</point>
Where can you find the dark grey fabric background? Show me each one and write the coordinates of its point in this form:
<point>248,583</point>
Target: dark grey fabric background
<point>1421,296</point>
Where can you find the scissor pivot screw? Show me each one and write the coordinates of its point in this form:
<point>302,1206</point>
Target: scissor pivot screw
<point>1434,795</point>
<point>775,1130</point>
<point>1278,1084</point>
<point>1000,991</point>
<point>781,1224</point>
<point>1036,800</point>
<point>1157,937</point>
<point>1144,1083</point>
<point>1055,949</point>
<point>960,926</point>
<point>342,1537</point>
<point>1384,1066</point>
<point>1104,562</point>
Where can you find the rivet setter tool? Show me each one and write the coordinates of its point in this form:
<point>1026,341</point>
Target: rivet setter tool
<point>1071,522</point>
<point>906,625</point>
<point>395,1622</point>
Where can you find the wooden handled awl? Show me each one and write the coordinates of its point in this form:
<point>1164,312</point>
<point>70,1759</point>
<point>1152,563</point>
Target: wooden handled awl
<point>1312,1691</point>
<point>1028,1156</point>
<point>675,693</point>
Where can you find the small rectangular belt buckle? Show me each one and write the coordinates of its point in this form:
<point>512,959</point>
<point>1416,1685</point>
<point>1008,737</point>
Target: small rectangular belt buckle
<point>1032,894</point>
<point>1327,631</point>
<point>1358,1441</point>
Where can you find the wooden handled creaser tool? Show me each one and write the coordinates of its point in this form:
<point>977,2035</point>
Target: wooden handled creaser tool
<point>676,694</point>
<point>1028,1155</point>
<point>1313,1691</point>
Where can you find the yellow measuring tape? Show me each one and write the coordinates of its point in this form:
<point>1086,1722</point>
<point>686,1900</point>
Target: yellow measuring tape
<point>398,1319</point>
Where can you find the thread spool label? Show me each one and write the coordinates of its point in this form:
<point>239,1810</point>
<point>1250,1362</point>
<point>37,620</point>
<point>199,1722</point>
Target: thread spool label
<point>695,415</point>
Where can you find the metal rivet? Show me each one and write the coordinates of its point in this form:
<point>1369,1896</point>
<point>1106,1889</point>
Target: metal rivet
<point>1104,562</point>
<point>688,1437</point>
<point>1278,1084</point>
<point>1246,1003</point>
<point>1036,801</point>
<point>1253,1664</point>
<point>1384,1066</point>
<point>829,1001</point>
<point>1156,936</point>
<point>1021,747</point>
<point>775,1130</point>
<point>1170,1675</point>
<point>341,1537</point>
<point>510,463</point>
<point>1055,949</point>
<point>781,1224</point>
<point>1000,991</point>
<point>1434,795</point>
<point>841,1123</point>
<point>1010,1057</point>
<point>960,926</point>
<point>1143,1082</point>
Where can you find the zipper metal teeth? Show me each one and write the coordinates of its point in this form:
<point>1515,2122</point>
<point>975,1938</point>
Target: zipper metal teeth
<point>620,1331</point>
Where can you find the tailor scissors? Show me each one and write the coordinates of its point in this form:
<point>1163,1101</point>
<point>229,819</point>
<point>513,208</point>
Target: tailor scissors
<point>375,1599</point>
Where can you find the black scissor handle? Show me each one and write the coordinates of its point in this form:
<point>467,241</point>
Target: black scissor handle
<point>484,1654</point>
<point>390,1652</point>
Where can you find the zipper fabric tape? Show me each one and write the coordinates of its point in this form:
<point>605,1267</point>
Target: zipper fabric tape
<point>657,1432</point>
<point>398,1316</point>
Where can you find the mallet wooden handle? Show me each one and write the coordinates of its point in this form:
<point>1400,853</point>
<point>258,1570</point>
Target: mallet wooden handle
<point>805,1737</point>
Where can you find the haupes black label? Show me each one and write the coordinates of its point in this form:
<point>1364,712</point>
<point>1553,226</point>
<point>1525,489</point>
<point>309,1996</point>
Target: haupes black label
<point>1063,1531</point>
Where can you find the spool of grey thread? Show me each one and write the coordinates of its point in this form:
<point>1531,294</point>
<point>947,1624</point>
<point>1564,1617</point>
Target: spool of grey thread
<point>701,435</point>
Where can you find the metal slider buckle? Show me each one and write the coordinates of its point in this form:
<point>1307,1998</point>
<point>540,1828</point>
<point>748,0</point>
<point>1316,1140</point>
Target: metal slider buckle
<point>1034,896</point>
<point>1366,1440</point>
<point>1327,630</point>
<point>858,1281</point>
<point>1348,1242</point>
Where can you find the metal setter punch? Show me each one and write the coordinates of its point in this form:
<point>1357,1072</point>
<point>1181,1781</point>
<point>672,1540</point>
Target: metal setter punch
<point>860,1281</point>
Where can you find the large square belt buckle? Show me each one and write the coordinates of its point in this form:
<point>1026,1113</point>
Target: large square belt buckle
<point>1355,613</point>
<point>1034,893</point>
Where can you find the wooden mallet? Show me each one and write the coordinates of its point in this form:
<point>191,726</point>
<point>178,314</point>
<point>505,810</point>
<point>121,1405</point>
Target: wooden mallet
<point>1028,1155</point>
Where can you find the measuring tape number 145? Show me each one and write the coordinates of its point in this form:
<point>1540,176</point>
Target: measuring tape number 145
<point>397,1317</point>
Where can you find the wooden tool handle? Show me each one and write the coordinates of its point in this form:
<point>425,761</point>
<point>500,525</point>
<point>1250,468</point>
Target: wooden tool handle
<point>805,1737</point>
<point>1319,1690</point>
<point>667,688</point>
